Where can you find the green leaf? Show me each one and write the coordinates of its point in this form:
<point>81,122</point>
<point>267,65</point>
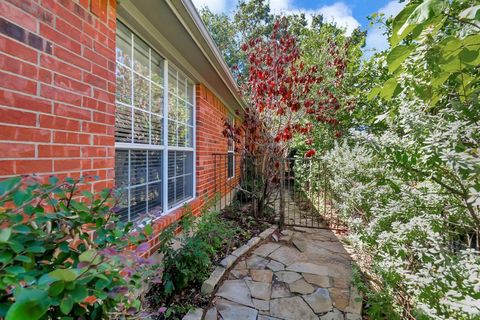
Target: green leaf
<point>8,184</point>
<point>66,305</point>
<point>6,257</point>
<point>15,269</point>
<point>90,256</point>
<point>374,92</point>
<point>472,13</point>
<point>389,89</point>
<point>79,293</point>
<point>425,11</point>
<point>29,304</point>
<point>35,249</point>
<point>399,21</point>
<point>148,230</point>
<point>22,229</point>
<point>25,259</point>
<point>56,288</point>
<point>397,55</point>
<point>5,234</point>
<point>64,274</point>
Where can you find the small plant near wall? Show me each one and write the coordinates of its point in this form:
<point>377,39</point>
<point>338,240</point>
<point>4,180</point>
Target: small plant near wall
<point>187,258</point>
<point>64,253</point>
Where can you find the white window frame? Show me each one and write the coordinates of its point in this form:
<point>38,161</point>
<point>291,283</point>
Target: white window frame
<point>164,147</point>
<point>232,119</point>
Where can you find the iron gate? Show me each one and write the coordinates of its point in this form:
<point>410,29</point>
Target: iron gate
<point>290,191</point>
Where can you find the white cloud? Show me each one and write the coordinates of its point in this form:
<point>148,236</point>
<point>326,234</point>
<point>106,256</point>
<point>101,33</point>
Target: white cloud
<point>376,40</point>
<point>338,12</point>
<point>216,6</point>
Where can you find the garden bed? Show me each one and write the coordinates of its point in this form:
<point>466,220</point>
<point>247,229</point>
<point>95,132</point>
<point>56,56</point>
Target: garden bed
<point>190,297</point>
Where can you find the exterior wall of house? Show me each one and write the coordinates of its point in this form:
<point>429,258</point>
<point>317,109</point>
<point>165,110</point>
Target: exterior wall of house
<point>57,88</point>
<point>57,99</point>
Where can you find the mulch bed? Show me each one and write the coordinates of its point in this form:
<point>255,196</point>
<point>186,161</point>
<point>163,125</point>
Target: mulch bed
<point>191,296</point>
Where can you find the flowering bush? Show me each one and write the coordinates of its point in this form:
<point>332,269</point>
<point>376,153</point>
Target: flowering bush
<point>61,257</point>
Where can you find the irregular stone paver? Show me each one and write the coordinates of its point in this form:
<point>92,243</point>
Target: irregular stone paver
<point>291,308</point>
<point>280,290</point>
<point>319,281</point>
<point>233,311</point>
<point>236,291</point>
<point>287,276</point>
<point>259,290</point>
<point>332,315</point>
<point>261,275</point>
<point>256,262</point>
<point>285,255</point>
<point>307,267</point>
<point>265,249</point>
<point>312,279</point>
<point>211,314</point>
<point>301,286</point>
<point>340,297</point>
<point>209,285</point>
<point>319,301</point>
<point>275,266</point>
<point>261,305</point>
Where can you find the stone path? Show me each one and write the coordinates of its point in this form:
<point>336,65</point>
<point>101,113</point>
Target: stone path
<point>305,275</point>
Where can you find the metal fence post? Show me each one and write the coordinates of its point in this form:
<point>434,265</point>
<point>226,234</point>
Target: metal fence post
<point>282,193</point>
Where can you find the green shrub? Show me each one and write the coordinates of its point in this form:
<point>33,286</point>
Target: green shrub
<point>64,258</point>
<point>199,242</point>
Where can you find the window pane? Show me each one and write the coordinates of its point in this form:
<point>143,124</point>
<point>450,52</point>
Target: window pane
<point>183,112</point>
<point>157,130</point>
<point>157,99</point>
<point>190,88</point>
<point>230,164</point>
<point>171,192</point>
<point>138,202</point>
<point>172,80</point>
<point>189,137</point>
<point>172,107</point>
<point>155,166</point>
<point>123,124</point>
<point>121,168</point>
<point>180,176</point>
<point>182,135</point>
<point>172,133</point>
<point>155,196</point>
<point>124,84</point>
<point>182,90</point>
<point>124,45</point>
<point>141,94</point>
<point>138,167</point>
<point>140,127</point>
<point>141,54</point>
<point>157,68</point>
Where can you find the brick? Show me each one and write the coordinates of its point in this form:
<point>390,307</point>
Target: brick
<point>66,165</point>
<point>33,166</point>
<point>104,118</point>
<point>103,140</point>
<point>17,49</point>
<point>19,100</point>
<point>17,66</point>
<point>56,122</point>
<point>59,39</point>
<point>92,127</point>
<point>17,117</point>
<point>94,152</point>
<point>13,82</point>
<point>71,138</point>
<point>103,163</point>
<point>18,16</point>
<point>58,151</point>
<point>17,150</point>
<point>13,133</point>
<point>12,30</point>
<point>58,66</point>
<point>72,112</point>
<point>70,84</point>
<point>72,58</point>
<point>62,11</point>
<point>7,167</point>
<point>99,8</point>
<point>61,95</point>
<point>34,9</point>
<point>95,81</point>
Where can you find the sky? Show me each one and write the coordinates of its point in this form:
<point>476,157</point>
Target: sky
<point>349,14</point>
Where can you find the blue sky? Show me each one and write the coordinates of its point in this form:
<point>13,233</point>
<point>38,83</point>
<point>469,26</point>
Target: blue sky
<point>346,13</point>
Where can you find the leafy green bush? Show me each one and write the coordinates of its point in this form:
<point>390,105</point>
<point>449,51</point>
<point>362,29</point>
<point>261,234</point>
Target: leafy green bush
<point>65,258</point>
<point>199,242</point>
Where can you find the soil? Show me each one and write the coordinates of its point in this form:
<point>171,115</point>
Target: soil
<point>191,296</point>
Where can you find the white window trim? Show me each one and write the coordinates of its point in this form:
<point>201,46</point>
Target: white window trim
<point>165,148</point>
<point>231,151</point>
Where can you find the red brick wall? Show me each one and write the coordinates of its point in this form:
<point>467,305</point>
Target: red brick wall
<point>57,88</point>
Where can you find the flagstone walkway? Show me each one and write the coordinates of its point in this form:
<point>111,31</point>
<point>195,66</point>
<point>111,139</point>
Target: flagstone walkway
<point>305,275</point>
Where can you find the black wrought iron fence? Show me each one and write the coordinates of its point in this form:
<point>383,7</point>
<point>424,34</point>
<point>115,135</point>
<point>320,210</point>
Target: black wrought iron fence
<point>290,191</point>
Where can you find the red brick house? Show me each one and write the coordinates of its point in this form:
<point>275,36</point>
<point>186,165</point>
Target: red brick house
<point>134,92</point>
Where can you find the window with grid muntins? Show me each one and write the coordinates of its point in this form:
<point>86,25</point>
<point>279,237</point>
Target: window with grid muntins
<point>144,78</point>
